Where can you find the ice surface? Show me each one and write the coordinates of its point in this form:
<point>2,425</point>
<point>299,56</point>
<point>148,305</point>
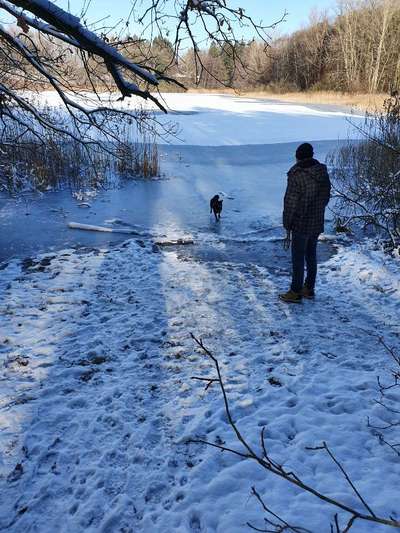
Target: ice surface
<point>223,120</point>
<point>250,178</point>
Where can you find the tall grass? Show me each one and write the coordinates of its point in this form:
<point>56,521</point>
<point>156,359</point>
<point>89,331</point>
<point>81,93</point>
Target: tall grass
<point>137,159</point>
<point>59,162</point>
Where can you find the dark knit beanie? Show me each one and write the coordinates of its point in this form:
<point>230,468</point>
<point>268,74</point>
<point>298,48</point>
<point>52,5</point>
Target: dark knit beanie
<point>304,151</point>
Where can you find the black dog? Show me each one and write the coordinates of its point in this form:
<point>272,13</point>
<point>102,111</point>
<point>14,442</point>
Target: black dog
<point>216,207</point>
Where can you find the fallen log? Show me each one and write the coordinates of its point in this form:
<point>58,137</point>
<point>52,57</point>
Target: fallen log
<point>175,242</point>
<point>103,229</point>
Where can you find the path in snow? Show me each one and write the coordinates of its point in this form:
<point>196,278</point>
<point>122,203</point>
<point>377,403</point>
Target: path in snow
<point>97,403</point>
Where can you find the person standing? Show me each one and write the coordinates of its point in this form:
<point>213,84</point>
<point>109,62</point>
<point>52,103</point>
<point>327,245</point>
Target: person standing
<point>307,195</point>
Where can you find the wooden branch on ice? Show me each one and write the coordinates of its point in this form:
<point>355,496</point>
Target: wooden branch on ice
<point>175,242</point>
<point>103,229</point>
<point>126,231</point>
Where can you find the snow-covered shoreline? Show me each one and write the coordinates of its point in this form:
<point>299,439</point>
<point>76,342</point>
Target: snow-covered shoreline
<point>98,403</point>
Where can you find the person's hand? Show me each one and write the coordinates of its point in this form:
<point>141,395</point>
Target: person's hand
<point>287,241</point>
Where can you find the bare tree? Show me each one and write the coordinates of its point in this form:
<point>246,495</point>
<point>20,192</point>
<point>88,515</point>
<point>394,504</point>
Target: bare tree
<point>386,12</point>
<point>348,31</point>
<point>366,174</point>
<point>35,56</point>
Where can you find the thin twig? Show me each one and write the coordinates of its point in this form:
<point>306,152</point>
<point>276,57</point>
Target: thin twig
<point>279,471</point>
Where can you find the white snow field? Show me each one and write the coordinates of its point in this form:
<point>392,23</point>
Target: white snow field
<point>242,120</point>
<point>98,407</point>
<point>220,120</point>
<point>97,400</point>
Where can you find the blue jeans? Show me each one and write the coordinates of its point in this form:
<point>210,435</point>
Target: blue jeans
<point>304,251</point>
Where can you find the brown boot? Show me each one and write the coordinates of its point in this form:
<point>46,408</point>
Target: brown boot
<point>308,293</point>
<point>291,297</point>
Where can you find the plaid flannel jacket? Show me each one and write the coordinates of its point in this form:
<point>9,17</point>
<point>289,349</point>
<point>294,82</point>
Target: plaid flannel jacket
<point>307,195</point>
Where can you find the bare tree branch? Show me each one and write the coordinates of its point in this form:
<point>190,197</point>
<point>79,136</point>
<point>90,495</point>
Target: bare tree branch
<point>271,466</point>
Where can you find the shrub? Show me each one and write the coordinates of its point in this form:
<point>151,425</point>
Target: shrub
<point>366,175</point>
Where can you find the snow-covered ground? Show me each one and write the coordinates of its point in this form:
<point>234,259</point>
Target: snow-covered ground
<point>97,401</point>
<point>239,120</point>
<point>221,120</point>
<point>98,404</point>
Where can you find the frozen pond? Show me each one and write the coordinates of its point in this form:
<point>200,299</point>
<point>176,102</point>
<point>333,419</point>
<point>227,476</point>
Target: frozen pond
<point>226,120</point>
<point>251,177</point>
<point>99,406</point>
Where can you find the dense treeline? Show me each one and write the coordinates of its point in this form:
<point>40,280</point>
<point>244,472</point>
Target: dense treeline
<point>355,51</point>
<point>358,50</point>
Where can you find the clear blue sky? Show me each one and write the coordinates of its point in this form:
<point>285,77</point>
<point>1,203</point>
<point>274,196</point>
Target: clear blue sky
<point>298,10</point>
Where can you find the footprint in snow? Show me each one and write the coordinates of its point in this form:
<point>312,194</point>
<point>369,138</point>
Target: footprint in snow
<point>194,523</point>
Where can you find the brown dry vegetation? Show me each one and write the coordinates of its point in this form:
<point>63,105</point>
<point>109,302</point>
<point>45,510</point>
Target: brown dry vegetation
<point>59,162</point>
<point>358,101</point>
<point>365,176</point>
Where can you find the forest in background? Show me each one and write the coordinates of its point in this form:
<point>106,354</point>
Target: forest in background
<point>355,51</point>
